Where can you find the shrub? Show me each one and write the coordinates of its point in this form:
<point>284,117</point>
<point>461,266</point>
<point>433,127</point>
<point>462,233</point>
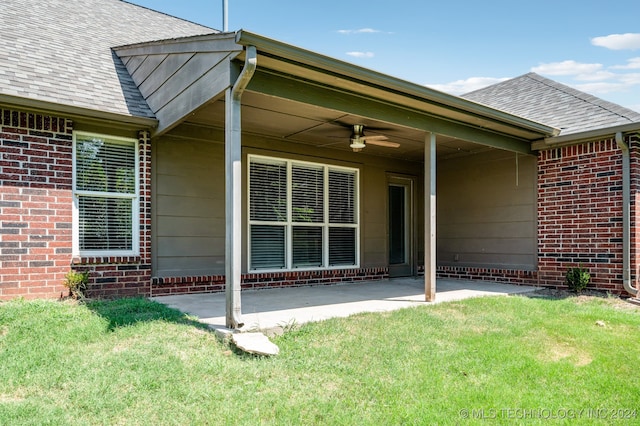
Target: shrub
<point>577,279</point>
<point>76,282</point>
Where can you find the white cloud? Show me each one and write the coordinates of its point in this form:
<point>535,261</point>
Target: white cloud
<point>632,64</point>
<point>361,54</point>
<point>600,87</point>
<point>630,79</point>
<point>359,31</point>
<point>620,83</point>
<point>596,76</point>
<point>628,41</point>
<point>460,87</point>
<point>566,68</point>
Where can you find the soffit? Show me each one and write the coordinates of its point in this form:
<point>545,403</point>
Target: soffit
<point>389,96</point>
<point>313,126</point>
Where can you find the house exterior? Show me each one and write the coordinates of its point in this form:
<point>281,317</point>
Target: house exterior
<point>165,157</point>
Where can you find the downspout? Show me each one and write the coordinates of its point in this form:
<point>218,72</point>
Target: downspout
<point>626,215</point>
<point>233,189</point>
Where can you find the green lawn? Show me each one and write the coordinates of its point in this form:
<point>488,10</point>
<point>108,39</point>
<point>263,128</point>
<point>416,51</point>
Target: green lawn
<point>509,360</point>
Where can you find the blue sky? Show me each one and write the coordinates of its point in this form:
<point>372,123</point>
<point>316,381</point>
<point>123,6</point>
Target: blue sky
<point>452,45</point>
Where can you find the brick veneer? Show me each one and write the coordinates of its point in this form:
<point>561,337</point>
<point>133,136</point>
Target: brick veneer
<point>36,214</point>
<point>35,204</point>
<point>580,213</point>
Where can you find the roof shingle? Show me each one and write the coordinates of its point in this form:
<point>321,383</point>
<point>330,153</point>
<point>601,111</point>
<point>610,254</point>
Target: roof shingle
<point>60,51</point>
<point>549,102</point>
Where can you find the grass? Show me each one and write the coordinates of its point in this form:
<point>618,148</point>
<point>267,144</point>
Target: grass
<point>506,360</point>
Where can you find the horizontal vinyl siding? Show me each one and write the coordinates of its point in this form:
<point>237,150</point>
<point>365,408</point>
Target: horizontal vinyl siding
<point>486,212</point>
<point>189,208</point>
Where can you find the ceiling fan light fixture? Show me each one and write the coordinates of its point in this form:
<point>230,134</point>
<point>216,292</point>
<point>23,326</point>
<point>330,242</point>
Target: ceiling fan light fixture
<point>357,145</point>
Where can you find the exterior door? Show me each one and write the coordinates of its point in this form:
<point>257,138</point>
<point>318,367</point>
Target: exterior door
<point>400,232</point>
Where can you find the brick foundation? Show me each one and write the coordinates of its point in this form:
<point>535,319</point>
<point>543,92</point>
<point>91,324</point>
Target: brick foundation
<point>254,281</point>
<point>509,276</point>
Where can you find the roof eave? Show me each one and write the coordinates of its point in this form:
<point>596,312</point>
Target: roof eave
<point>79,113</point>
<point>589,135</point>
<point>310,58</point>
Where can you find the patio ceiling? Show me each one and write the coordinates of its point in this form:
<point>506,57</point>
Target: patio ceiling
<point>305,124</point>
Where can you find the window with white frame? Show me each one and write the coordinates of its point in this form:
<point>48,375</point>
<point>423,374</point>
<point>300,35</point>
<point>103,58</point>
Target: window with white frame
<point>302,215</point>
<point>105,187</point>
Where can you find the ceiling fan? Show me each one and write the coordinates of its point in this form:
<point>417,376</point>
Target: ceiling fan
<point>359,141</point>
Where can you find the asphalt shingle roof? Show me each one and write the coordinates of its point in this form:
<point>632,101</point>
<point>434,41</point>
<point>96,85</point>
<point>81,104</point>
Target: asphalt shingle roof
<point>60,50</point>
<point>549,102</point>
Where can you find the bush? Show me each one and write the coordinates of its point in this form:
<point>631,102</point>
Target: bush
<point>577,279</point>
<point>76,282</point>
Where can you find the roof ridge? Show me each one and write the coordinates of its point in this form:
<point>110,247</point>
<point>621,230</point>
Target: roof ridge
<point>582,96</point>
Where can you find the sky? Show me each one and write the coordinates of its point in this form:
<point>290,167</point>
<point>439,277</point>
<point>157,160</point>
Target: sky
<point>455,46</point>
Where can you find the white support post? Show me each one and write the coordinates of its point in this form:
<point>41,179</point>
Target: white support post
<point>430,217</point>
<point>233,188</point>
<point>233,210</point>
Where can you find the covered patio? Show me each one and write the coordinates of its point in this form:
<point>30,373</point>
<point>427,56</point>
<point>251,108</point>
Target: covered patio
<point>271,310</point>
<point>270,162</point>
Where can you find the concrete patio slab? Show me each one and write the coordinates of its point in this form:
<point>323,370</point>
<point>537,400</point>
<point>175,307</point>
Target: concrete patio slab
<point>278,308</point>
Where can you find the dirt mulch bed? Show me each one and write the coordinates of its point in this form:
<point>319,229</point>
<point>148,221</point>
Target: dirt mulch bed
<point>612,299</point>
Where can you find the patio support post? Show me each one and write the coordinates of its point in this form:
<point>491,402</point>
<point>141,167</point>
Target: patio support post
<point>430,217</point>
<point>233,190</point>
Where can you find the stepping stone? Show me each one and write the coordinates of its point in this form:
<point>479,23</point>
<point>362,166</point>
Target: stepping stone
<point>255,343</point>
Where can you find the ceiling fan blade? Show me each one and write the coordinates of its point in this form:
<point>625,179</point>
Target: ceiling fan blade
<point>370,138</point>
<point>384,143</point>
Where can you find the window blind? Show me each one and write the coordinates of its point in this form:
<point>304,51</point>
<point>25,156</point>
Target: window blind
<point>342,196</point>
<point>268,191</point>
<point>267,247</point>
<point>307,246</point>
<point>307,194</point>
<point>105,223</point>
<point>301,215</point>
<point>342,246</point>
<point>105,167</point>
<point>106,193</point>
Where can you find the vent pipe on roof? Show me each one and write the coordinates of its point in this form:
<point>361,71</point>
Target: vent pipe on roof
<point>626,216</point>
<point>225,15</point>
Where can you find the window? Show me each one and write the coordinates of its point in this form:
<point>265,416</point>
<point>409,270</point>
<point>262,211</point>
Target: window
<point>302,215</point>
<point>105,185</point>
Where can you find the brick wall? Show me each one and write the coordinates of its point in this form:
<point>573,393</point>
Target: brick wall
<point>580,213</point>
<point>35,204</point>
<point>36,214</point>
